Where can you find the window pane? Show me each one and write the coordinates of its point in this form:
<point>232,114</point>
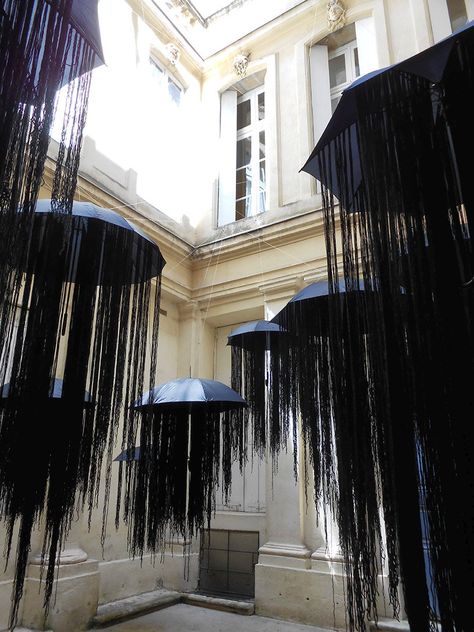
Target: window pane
<point>174,91</point>
<point>243,184</point>
<point>457,13</point>
<point>243,114</point>
<point>243,208</point>
<point>244,152</point>
<point>337,70</point>
<point>156,71</point>
<point>356,62</point>
<point>262,145</point>
<point>261,106</point>
<point>262,197</point>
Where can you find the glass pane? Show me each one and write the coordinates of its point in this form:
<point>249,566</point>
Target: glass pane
<point>218,560</point>
<point>457,13</point>
<point>337,70</point>
<point>244,152</point>
<point>261,106</point>
<point>243,182</point>
<point>243,114</point>
<point>218,539</point>
<point>242,584</point>
<point>174,91</point>
<point>243,208</point>
<point>156,71</point>
<point>262,145</point>
<point>356,62</point>
<point>243,541</point>
<point>240,562</point>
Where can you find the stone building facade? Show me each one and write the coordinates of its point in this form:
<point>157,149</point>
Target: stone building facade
<point>198,126</point>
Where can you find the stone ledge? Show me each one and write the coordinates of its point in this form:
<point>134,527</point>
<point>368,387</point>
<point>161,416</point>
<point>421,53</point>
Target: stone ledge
<point>115,611</point>
<point>219,603</point>
<point>389,625</point>
<point>131,606</point>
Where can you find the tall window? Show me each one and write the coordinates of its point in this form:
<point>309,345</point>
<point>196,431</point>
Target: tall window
<point>167,84</point>
<point>243,188</point>
<point>250,181</point>
<point>335,62</point>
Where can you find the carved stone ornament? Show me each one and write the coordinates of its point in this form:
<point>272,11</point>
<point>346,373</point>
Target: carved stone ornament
<point>172,53</point>
<point>241,62</point>
<point>336,15</point>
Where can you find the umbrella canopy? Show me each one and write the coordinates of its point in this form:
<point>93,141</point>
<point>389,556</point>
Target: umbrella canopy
<point>191,394</point>
<point>105,248</point>
<point>131,454</point>
<point>247,335</point>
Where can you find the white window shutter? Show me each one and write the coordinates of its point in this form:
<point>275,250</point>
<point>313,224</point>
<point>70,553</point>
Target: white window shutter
<point>366,45</point>
<point>320,89</point>
<point>440,21</point>
<point>470,9</point>
<point>228,144</point>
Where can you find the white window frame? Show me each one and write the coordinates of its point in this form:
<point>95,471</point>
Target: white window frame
<point>168,78</point>
<point>253,131</point>
<point>348,50</point>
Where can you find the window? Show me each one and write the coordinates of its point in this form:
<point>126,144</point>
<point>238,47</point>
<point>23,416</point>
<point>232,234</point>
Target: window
<point>227,562</point>
<point>250,181</point>
<point>167,85</point>
<point>335,62</point>
<point>243,157</point>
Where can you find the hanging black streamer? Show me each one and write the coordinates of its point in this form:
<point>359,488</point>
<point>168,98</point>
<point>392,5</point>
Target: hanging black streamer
<point>86,314</point>
<point>401,174</point>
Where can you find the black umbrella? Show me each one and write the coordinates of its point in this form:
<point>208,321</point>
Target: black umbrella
<point>88,310</point>
<point>255,373</point>
<point>397,156</point>
<point>187,435</point>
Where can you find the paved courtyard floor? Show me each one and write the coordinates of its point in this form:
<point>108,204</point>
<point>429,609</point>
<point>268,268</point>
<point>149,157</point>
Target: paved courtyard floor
<point>184,618</point>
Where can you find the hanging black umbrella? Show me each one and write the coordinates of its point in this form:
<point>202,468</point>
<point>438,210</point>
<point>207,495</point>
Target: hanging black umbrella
<point>396,155</point>
<point>255,373</point>
<point>44,45</point>
<point>187,435</point>
<point>88,310</point>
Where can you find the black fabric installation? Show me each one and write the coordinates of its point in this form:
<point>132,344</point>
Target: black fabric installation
<point>86,313</point>
<point>401,355</point>
<point>187,449</point>
<point>255,364</point>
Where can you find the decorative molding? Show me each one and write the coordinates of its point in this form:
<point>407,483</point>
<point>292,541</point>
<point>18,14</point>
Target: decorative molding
<point>336,14</point>
<point>172,53</point>
<point>240,64</point>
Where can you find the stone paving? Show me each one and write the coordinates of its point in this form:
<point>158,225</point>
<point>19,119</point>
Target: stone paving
<point>184,618</point>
